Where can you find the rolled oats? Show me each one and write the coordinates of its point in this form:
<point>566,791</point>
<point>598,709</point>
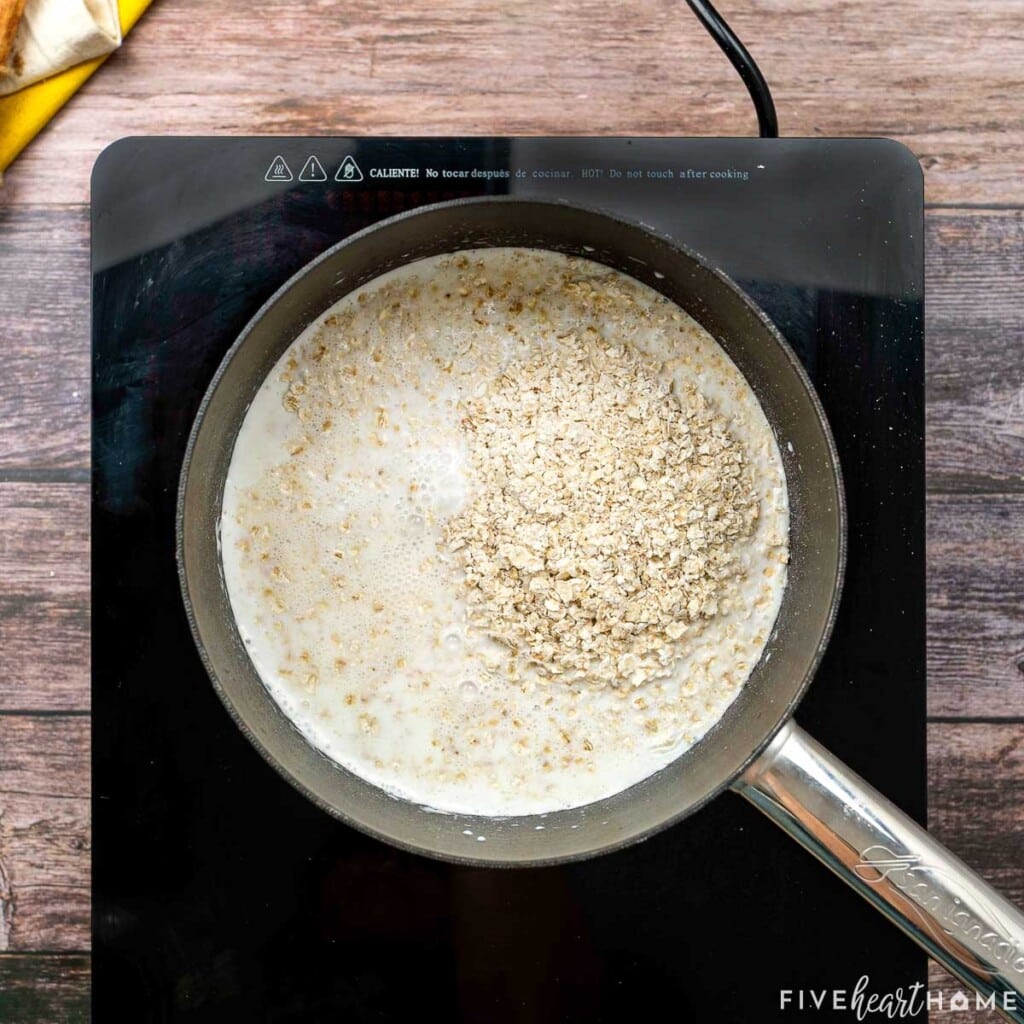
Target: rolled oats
<point>608,511</point>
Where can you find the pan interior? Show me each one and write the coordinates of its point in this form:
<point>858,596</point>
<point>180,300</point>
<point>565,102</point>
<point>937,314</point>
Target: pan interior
<point>816,530</point>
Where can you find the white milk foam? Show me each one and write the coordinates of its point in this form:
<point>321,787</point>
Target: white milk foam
<point>347,466</point>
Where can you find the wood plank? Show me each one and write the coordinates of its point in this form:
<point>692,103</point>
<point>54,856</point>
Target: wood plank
<point>42,773</point>
<point>975,350</point>
<point>944,986</point>
<point>943,76</point>
<point>976,606</point>
<point>44,327</point>
<point>975,345</point>
<point>976,440</point>
<point>976,793</point>
<point>976,601</point>
<point>44,833</point>
<point>44,596</point>
<point>44,989</point>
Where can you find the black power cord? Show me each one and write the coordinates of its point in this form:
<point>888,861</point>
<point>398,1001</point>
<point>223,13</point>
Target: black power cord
<point>741,60</point>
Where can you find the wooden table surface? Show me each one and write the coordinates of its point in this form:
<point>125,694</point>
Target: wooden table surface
<point>944,76</point>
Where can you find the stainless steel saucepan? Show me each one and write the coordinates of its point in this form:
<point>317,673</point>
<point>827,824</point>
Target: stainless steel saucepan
<point>756,749</point>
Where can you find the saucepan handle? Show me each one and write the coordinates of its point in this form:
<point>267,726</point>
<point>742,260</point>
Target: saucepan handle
<point>892,862</point>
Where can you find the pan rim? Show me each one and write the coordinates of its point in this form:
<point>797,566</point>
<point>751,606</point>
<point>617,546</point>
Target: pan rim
<point>780,720</point>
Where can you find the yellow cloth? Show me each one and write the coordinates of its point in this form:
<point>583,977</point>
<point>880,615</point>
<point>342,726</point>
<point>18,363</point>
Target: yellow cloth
<point>25,113</point>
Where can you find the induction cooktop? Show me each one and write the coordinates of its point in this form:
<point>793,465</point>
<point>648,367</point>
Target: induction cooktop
<point>221,893</point>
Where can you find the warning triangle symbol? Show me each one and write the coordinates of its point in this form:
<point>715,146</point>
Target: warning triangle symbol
<point>349,170</point>
<point>278,170</point>
<point>312,170</point>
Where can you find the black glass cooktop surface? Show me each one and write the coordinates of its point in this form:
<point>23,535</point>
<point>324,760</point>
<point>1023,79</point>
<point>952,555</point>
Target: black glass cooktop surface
<point>222,894</point>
